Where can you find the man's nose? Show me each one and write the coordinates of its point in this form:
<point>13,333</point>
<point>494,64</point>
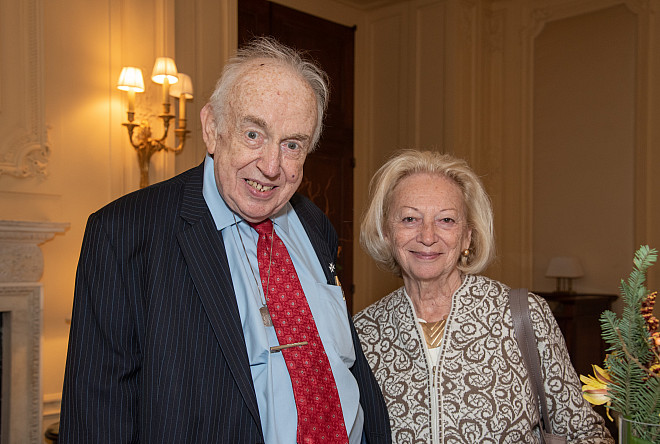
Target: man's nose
<point>269,162</point>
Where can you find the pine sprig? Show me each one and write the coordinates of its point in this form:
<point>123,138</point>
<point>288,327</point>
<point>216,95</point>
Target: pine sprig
<point>649,400</point>
<point>635,390</point>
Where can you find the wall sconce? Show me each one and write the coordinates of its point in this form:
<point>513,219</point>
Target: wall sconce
<point>564,269</point>
<point>164,73</point>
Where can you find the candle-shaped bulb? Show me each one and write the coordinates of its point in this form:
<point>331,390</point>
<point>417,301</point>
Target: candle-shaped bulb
<point>165,73</point>
<point>130,80</point>
<point>166,91</point>
<point>131,104</point>
<point>183,89</point>
<point>182,111</point>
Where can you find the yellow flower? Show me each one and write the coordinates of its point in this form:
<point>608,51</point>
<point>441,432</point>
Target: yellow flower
<point>594,389</point>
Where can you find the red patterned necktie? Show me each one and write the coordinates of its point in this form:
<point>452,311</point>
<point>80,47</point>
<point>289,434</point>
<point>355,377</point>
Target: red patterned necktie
<point>320,417</point>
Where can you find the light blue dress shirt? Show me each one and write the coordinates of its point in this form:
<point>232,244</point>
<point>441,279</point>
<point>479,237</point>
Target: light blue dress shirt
<point>269,373</point>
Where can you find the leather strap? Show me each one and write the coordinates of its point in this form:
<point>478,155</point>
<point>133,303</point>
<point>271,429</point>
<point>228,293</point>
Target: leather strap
<point>522,327</point>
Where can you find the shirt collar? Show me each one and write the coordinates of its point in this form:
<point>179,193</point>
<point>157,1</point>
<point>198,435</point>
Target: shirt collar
<point>223,216</point>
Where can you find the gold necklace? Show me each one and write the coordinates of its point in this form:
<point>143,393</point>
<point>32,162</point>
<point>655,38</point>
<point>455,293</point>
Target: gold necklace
<point>433,332</point>
<point>263,310</point>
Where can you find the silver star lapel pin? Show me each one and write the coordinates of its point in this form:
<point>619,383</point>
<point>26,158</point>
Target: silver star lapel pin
<point>332,267</point>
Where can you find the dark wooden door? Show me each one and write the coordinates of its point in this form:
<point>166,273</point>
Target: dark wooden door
<point>328,178</point>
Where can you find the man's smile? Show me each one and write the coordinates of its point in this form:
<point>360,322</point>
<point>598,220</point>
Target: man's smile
<point>257,186</point>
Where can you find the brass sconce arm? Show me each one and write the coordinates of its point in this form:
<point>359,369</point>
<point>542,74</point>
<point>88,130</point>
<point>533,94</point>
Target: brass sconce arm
<point>146,145</point>
<point>164,73</point>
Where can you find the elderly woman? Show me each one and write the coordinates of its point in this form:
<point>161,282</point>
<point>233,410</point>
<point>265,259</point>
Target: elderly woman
<point>442,347</point>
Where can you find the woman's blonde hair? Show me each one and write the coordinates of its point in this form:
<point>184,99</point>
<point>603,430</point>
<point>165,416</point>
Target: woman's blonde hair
<point>406,163</point>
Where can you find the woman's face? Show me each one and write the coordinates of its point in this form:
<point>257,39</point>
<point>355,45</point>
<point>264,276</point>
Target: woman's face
<point>427,227</point>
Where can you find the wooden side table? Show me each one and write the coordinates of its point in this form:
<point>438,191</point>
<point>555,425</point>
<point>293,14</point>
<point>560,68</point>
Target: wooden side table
<point>578,316</point>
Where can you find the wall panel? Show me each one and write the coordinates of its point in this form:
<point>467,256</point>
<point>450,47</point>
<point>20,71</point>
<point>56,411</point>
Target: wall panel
<point>429,76</point>
<point>387,107</point>
<point>584,146</point>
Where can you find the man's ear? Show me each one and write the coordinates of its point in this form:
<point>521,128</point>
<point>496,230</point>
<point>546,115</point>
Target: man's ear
<point>209,128</point>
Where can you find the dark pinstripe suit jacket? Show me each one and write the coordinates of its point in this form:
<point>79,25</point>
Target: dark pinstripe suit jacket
<point>156,350</point>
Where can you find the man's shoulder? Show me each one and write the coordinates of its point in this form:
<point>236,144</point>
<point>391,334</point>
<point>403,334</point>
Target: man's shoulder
<point>161,197</point>
<point>157,191</point>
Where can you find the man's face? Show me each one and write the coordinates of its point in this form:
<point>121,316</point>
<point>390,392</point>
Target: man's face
<point>258,156</point>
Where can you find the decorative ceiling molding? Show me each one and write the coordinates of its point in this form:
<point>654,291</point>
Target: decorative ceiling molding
<point>540,16</point>
<point>24,148</point>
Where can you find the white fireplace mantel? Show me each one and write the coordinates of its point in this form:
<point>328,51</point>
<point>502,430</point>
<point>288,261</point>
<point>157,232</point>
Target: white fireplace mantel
<point>21,259</point>
<point>21,295</point>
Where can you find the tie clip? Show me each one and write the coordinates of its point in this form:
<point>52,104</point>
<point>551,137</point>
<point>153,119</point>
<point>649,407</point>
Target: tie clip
<point>279,348</point>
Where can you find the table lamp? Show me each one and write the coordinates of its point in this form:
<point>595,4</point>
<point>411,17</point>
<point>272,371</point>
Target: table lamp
<point>564,269</point>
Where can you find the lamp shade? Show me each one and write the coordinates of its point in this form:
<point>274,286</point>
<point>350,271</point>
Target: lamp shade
<point>182,87</point>
<point>130,79</point>
<point>564,267</point>
<point>164,67</point>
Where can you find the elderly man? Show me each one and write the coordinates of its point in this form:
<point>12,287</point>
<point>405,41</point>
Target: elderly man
<point>207,309</point>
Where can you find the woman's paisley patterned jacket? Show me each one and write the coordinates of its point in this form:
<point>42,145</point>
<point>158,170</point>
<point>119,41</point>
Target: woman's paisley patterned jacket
<point>478,390</point>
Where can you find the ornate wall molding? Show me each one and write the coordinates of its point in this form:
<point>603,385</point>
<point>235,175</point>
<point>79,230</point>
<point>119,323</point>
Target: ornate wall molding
<point>24,148</point>
<point>467,20</point>
<point>494,22</point>
<point>20,307</point>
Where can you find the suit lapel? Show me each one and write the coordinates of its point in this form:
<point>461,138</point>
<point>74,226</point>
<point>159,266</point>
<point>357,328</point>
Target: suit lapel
<point>311,222</point>
<point>204,252</point>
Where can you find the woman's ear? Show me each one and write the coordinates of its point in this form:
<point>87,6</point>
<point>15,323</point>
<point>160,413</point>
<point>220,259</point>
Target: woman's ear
<point>209,128</point>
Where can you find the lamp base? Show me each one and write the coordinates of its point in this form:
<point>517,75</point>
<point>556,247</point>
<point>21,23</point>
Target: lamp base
<point>564,285</point>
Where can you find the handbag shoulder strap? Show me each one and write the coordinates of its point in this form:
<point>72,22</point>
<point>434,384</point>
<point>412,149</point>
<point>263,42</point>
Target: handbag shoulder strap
<point>522,326</point>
